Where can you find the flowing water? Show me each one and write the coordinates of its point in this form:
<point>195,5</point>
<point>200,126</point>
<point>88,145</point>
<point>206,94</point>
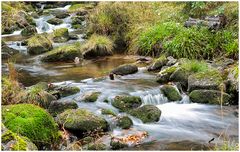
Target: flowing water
<point>182,123</point>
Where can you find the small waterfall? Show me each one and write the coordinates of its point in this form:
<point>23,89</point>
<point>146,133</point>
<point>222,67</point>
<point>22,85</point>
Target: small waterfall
<point>153,97</point>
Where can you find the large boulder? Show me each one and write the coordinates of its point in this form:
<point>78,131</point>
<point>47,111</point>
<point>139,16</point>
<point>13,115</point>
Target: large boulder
<point>60,35</point>
<point>29,30</point>
<point>125,69</point>
<point>147,113</point>
<point>126,103</point>
<point>209,96</point>
<point>158,64</point>
<point>58,106</point>
<point>180,75</point>
<point>80,121</point>
<point>164,75</point>
<point>171,93</point>
<point>63,53</point>
<point>14,142</point>
<point>90,96</point>
<point>55,21</point>
<point>32,122</point>
<point>124,122</point>
<point>210,80</point>
<point>6,51</point>
<point>39,44</point>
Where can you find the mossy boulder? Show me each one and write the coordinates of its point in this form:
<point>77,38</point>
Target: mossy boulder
<point>97,46</point>
<point>39,44</point>
<point>108,112</point>
<point>116,145</point>
<point>61,15</point>
<point>96,146</point>
<point>90,96</point>
<point>60,35</point>
<point>164,75</point>
<point>209,96</point>
<point>78,19</point>
<point>158,64</point>
<point>63,53</point>
<point>14,142</point>
<point>58,106</point>
<point>125,103</point>
<point>124,122</point>
<point>29,30</point>
<point>7,52</point>
<point>80,121</point>
<point>55,21</point>
<point>180,75</point>
<point>64,91</point>
<point>210,80</point>
<point>125,69</point>
<point>171,92</point>
<point>73,36</point>
<point>146,113</point>
<point>32,122</point>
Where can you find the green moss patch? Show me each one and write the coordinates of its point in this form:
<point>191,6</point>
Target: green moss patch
<point>125,103</point>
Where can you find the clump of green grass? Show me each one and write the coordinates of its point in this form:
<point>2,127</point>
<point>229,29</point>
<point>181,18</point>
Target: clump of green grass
<point>80,7</point>
<point>98,43</point>
<point>60,32</point>
<point>194,66</point>
<point>39,40</point>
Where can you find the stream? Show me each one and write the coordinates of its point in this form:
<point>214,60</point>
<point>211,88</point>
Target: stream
<point>183,125</point>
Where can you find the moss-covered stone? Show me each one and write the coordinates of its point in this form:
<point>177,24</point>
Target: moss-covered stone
<point>13,142</point>
<point>164,75</point>
<point>63,53</point>
<point>158,64</point>
<point>60,35</point>
<point>39,44</point>
<point>32,122</point>
<point>81,120</point>
<point>29,30</point>
<point>7,52</point>
<point>57,107</point>
<point>180,75</point>
<point>96,146</point>
<point>125,69</point>
<point>108,112</point>
<point>209,96</point>
<point>55,21</point>
<point>62,15</point>
<point>124,122</point>
<point>116,145</point>
<point>210,80</point>
<point>125,103</point>
<point>171,93</point>
<point>65,91</point>
<point>90,96</point>
<point>147,113</point>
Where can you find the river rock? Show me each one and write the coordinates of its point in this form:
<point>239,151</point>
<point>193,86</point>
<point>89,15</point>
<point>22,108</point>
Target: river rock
<point>108,112</point>
<point>64,91</point>
<point>73,36</point>
<point>125,69</point>
<point>39,44</point>
<point>171,93</point>
<point>164,75</point>
<point>171,61</point>
<point>58,106</point>
<point>32,122</point>
<point>81,120</point>
<point>158,64</point>
<point>14,142</point>
<point>125,103</point>
<point>60,35</point>
<point>90,96</point>
<point>124,122</point>
<point>78,19</point>
<point>180,75</point>
<point>61,15</point>
<point>116,145</point>
<point>147,113</point>
<point>210,80</point>
<point>209,96</point>
<point>29,30</point>
<point>55,21</point>
<point>96,146</point>
<point>7,52</point>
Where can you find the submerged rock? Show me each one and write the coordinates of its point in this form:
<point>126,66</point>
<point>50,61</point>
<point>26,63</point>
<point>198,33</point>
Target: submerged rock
<point>125,103</point>
<point>124,122</point>
<point>39,44</point>
<point>209,96</point>
<point>158,64</point>
<point>55,21</point>
<point>125,69</point>
<point>171,93</point>
<point>61,14</point>
<point>81,120</point>
<point>147,113</point>
<point>210,80</point>
<point>32,122</point>
<point>58,106</point>
<point>90,96</point>
<point>29,30</point>
<point>14,142</point>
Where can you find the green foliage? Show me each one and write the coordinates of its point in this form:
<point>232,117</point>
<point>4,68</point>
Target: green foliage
<point>31,121</point>
<point>194,66</point>
<point>98,42</point>
<point>60,32</point>
<point>80,7</point>
<point>39,40</point>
